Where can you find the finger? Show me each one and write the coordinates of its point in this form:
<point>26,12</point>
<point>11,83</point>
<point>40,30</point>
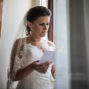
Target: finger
<point>36,62</point>
<point>49,62</point>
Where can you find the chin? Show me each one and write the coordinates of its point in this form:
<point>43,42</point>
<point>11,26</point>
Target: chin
<point>43,35</point>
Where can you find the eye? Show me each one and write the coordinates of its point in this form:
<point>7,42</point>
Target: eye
<point>42,24</point>
<point>47,24</point>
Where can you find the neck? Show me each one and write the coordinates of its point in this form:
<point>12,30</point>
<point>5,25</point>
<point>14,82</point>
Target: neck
<point>34,38</point>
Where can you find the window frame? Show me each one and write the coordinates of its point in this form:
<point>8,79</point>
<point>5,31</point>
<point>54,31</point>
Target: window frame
<point>50,32</point>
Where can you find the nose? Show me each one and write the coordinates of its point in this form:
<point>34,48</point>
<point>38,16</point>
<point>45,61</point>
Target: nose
<point>45,27</point>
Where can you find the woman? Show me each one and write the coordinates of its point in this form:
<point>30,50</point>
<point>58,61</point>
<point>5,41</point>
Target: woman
<point>27,52</point>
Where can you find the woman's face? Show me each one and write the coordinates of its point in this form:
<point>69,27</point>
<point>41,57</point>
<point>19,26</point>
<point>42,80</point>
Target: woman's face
<point>40,26</point>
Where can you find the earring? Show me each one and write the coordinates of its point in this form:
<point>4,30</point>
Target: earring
<point>31,28</point>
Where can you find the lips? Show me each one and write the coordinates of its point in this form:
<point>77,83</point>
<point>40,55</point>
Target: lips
<point>43,32</point>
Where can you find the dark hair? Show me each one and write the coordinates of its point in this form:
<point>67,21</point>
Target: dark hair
<point>36,12</point>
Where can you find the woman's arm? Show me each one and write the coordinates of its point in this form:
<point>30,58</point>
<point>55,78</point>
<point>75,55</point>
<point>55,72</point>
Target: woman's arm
<point>21,73</point>
<point>53,71</point>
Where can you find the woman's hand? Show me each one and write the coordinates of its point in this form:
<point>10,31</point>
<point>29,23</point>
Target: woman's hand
<point>40,67</point>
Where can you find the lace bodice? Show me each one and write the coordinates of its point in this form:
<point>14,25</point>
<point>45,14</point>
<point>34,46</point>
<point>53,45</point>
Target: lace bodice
<point>30,54</point>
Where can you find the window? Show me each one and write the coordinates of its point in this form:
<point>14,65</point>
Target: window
<point>50,33</point>
<point>44,3</point>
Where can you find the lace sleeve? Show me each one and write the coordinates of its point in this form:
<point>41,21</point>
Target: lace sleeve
<point>18,64</point>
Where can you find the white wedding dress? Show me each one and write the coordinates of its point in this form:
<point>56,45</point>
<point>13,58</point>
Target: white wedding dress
<point>34,80</point>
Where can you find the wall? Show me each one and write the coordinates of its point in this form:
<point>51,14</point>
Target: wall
<point>79,66</point>
<point>13,13</point>
<point>86,20</point>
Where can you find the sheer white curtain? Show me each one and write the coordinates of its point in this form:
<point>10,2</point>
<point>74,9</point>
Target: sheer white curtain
<point>61,33</point>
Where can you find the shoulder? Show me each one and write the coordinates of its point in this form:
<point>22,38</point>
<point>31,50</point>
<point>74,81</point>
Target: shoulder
<point>51,44</point>
<point>19,43</point>
<point>20,40</point>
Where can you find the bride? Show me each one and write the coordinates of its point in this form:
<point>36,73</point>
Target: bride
<point>27,51</point>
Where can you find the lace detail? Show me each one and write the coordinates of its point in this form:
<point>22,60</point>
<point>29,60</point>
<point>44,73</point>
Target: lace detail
<point>30,54</point>
<point>18,64</point>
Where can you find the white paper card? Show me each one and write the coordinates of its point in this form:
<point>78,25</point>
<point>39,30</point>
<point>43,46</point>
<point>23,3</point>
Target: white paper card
<point>48,56</point>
